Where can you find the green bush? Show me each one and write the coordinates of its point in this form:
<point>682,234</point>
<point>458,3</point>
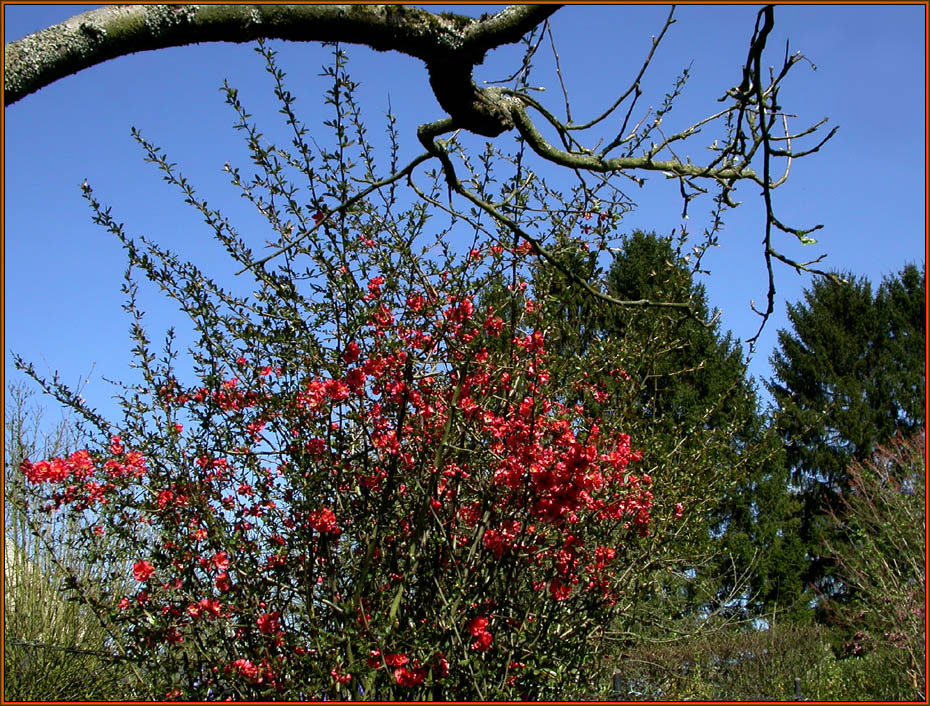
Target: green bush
<point>881,562</point>
<point>871,677</point>
<point>759,666</point>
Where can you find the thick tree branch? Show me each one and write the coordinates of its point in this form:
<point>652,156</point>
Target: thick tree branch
<point>97,36</point>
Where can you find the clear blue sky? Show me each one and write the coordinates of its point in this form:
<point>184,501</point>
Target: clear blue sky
<point>63,274</point>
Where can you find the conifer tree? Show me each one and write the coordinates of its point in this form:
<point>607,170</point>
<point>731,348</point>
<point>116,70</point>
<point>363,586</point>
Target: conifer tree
<point>849,375</point>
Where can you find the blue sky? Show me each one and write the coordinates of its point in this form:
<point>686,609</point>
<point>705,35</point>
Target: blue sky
<point>62,300</point>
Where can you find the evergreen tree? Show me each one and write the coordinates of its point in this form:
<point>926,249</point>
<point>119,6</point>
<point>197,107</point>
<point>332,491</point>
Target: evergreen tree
<point>848,377</point>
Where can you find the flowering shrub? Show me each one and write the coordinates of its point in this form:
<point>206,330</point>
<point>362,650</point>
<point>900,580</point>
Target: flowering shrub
<point>432,501</point>
<point>376,487</point>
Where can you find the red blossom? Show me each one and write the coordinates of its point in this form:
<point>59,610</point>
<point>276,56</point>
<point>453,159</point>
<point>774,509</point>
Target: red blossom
<point>246,669</point>
<point>478,625</point>
<point>396,660</point>
<point>337,390</point>
<point>269,623</point>
<point>441,666</point>
<point>560,591</point>
<point>220,560</point>
<point>223,582</point>
<point>324,521</point>
<point>410,677</point>
<point>142,570</point>
<point>483,642</point>
<point>351,352</point>
<point>374,288</point>
<point>77,466</point>
<point>339,677</point>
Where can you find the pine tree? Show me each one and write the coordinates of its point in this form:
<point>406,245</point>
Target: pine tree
<point>849,375</point>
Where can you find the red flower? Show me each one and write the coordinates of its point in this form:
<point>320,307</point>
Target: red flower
<point>483,642</point>
<point>318,217</point>
<point>142,570</point>
<point>396,660</point>
<point>268,623</point>
<point>324,521</point>
<point>559,590</point>
<point>337,390</point>
<point>478,625</point>
<point>220,561</point>
<point>339,677</point>
<point>374,287</point>
<point>409,677</point>
<point>223,583</point>
<point>245,668</point>
<point>212,606</point>
<point>351,352</point>
<point>441,668</point>
<point>478,628</point>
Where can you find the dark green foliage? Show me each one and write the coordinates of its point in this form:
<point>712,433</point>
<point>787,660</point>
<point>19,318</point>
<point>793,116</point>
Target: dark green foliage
<point>848,376</point>
<point>902,302</point>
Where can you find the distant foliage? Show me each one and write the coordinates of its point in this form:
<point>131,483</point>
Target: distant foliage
<point>776,664</point>
<point>883,519</point>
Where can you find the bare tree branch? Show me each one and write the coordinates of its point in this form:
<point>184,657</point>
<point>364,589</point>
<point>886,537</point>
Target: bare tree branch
<point>451,46</point>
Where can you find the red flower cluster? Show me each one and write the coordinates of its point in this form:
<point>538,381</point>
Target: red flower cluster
<point>269,623</point>
<point>410,676</point>
<point>77,466</point>
<point>205,606</point>
<point>324,521</point>
<point>478,627</point>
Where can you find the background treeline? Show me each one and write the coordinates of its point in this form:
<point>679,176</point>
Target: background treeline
<point>803,559</point>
